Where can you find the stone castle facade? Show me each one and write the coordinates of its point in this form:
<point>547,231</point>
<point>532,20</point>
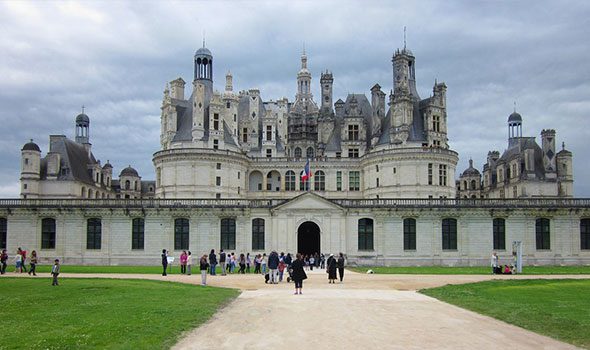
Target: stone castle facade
<point>228,176</point>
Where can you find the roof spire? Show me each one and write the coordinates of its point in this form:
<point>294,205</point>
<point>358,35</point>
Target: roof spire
<point>514,106</point>
<point>203,38</point>
<point>83,109</point>
<point>304,48</point>
<point>562,145</point>
<point>404,37</point>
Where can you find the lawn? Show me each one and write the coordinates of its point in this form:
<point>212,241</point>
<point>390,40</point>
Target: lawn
<point>556,308</point>
<point>474,270</point>
<point>102,313</point>
<point>175,270</point>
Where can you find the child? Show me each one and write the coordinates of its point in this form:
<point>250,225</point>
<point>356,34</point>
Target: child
<point>282,266</point>
<point>203,266</point>
<point>55,272</point>
<point>18,261</point>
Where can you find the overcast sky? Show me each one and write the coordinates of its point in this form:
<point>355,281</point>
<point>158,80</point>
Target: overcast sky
<point>115,58</point>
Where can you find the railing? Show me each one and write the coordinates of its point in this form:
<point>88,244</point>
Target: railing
<point>270,203</point>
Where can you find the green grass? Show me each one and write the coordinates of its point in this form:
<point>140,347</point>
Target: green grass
<point>65,268</point>
<point>474,270</point>
<point>557,308</point>
<point>102,313</point>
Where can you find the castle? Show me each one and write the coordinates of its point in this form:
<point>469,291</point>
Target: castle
<point>229,175</point>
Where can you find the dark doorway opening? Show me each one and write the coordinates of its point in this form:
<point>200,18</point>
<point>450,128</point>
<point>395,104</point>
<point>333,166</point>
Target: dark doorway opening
<point>308,238</point>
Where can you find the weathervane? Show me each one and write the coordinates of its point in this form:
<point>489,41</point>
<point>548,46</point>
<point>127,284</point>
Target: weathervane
<point>404,37</point>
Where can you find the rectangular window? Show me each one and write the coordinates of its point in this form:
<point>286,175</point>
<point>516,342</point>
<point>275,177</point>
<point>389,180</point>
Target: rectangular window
<point>353,133</point>
<point>377,182</point>
<point>338,154</point>
<point>137,233</point>
<point>585,234</point>
<point>3,232</point>
<point>339,181</point>
<point>217,195</point>
<point>227,105</point>
<point>449,234</point>
<point>268,133</point>
<point>409,234</point>
<point>543,234</point>
<point>215,121</point>
<point>228,234</point>
<point>258,234</point>
<point>48,233</point>
<point>245,135</point>
<point>353,153</point>
<point>181,234</point>
<point>499,233</point>
<point>442,175</point>
<point>435,123</point>
<point>269,153</point>
<point>215,144</point>
<point>218,180</point>
<point>430,173</point>
<point>93,234</point>
<point>377,167</point>
<point>218,167</point>
<point>354,183</point>
<point>365,234</point>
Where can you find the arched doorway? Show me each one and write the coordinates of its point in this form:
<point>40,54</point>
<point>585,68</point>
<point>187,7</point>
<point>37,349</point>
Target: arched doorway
<point>308,238</point>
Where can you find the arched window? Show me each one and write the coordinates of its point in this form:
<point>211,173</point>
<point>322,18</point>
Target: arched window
<point>409,234</point>
<point>181,234</point>
<point>258,234</point>
<point>290,181</point>
<point>297,152</point>
<point>255,181</point>
<point>127,184</point>
<point>473,185</point>
<point>319,181</point>
<point>48,233</point>
<point>543,234</point>
<point>137,233</point>
<point>83,192</point>
<point>449,234</point>
<point>228,234</point>
<point>365,234</point>
<point>499,233</point>
<point>310,153</point>
<point>90,193</point>
<point>93,233</point>
<point>585,234</point>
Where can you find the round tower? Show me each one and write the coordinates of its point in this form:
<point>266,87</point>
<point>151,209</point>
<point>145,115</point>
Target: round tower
<point>30,170</point>
<point>82,128</point>
<point>130,183</point>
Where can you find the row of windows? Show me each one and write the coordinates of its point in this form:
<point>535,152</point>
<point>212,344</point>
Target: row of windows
<point>449,234</point>
<point>319,181</point>
<point>365,233</point>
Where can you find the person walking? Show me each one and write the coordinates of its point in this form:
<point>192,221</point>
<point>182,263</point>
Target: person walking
<point>3,259</point>
<point>222,262</point>
<point>248,262</point>
<point>189,263</point>
<point>55,272</point>
<point>340,264</point>
<point>183,257</point>
<point>298,274</point>
<point>263,263</point>
<point>164,261</point>
<point>18,261</point>
<point>203,266</point>
<point>212,261</point>
<point>273,266</point>
<point>33,263</point>
<point>331,269</point>
<point>257,263</point>
<point>242,262</point>
<point>495,265</point>
<point>23,254</point>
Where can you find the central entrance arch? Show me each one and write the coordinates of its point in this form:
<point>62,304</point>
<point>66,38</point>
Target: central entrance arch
<point>308,238</point>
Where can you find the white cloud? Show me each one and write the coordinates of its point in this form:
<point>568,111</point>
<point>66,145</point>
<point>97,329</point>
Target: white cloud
<point>115,58</point>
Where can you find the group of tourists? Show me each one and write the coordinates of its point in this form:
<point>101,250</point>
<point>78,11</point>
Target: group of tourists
<point>498,269</point>
<point>20,261</point>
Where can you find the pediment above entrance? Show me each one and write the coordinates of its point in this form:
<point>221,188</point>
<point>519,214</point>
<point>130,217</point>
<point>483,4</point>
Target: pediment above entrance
<point>308,202</point>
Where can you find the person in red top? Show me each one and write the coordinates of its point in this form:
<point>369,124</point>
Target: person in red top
<point>183,259</point>
<point>23,254</point>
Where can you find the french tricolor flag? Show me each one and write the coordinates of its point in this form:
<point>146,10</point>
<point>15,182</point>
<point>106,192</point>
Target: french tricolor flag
<point>306,173</point>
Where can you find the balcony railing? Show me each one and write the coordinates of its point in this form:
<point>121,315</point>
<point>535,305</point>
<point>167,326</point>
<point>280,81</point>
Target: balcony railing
<point>541,203</point>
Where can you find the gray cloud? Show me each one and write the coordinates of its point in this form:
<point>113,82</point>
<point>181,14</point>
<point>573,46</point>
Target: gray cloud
<point>115,58</point>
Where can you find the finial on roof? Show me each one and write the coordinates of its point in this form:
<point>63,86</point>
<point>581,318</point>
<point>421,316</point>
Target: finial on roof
<point>470,163</point>
<point>304,48</point>
<point>404,37</point>
<point>31,140</point>
<point>83,109</point>
<point>562,145</point>
<point>514,106</point>
<point>203,38</point>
